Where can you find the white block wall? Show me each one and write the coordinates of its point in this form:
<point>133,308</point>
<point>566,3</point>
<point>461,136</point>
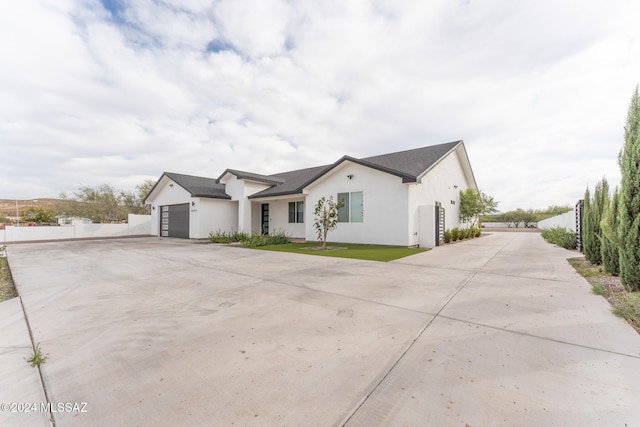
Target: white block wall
<point>138,225</point>
<point>566,221</point>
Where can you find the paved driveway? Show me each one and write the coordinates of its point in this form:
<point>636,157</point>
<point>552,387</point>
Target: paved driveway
<point>498,331</point>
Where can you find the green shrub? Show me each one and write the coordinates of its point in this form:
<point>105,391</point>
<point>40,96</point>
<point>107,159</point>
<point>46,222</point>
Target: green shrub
<point>561,237</point>
<point>239,236</point>
<point>455,234</point>
<point>277,237</point>
<point>221,236</point>
<point>227,236</point>
<point>255,240</point>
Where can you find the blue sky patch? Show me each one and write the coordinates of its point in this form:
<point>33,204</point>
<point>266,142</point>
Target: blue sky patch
<point>218,45</point>
<point>116,8</point>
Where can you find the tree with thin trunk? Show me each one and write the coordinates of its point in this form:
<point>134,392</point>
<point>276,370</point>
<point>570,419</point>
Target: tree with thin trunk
<point>474,203</point>
<point>629,229</point>
<point>326,218</point>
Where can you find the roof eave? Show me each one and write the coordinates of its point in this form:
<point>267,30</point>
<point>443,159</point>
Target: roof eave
<point>406,178</point>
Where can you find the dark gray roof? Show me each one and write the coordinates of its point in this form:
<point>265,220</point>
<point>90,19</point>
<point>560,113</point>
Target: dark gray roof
<point>412,162</point>
<point>253,176</point>
<point>408,165</point>
<point>199,186</point>
<point>294,182</point>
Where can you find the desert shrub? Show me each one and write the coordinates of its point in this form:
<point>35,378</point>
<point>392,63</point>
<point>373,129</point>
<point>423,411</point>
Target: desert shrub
<point>221,236</point>
<point>561,237</point>
<point>455,234</point>
<point>239,236</point>
<point>227,236</point>
<point>277,237</point>
<point>254,240</point>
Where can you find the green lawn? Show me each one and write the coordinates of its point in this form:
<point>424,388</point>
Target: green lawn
<point>367,252</point>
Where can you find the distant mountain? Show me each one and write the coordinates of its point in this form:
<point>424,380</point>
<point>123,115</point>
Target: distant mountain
<point>8,207</point>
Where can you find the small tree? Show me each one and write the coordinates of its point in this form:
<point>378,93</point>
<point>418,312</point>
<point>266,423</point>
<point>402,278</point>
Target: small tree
<point>474,203</point>
<point>629,229</point>
<point>38,215</point>
<point>326,218</point>
<point>528,217</point>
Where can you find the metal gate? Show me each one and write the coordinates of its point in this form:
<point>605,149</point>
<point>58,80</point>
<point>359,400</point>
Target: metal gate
<point>439,224</point>
<point>579,215</point>
<point>174,221</point>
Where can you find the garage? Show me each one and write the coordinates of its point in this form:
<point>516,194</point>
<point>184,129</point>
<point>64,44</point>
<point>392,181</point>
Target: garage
<point>174,221</point>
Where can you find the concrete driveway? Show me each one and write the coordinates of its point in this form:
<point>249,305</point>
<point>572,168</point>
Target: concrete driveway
<point>498,331</point>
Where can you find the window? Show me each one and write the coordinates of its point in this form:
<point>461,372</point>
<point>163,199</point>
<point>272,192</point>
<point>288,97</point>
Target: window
<point>343,212</point>
<point>352,209</point>
<point>296,212</point>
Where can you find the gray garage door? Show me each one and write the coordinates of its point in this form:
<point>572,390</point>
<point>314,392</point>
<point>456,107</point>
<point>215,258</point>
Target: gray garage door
<point>174,221</point>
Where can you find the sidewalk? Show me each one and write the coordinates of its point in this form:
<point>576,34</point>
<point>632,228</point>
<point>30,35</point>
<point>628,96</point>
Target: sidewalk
<point>21,394</point>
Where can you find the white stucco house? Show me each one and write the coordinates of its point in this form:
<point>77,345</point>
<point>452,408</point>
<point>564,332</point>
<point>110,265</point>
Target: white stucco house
<point>405,198</point>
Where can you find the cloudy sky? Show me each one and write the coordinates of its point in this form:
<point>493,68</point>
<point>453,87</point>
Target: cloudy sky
<point>118,91</point>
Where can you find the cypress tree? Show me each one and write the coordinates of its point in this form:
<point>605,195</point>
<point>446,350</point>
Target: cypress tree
<point>611,243</point>
<point>629,230</point>
<point>597,205</point>
<point>587,227</point>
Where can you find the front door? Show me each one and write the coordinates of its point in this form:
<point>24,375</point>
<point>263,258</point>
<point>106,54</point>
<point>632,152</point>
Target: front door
<point>265,218</point>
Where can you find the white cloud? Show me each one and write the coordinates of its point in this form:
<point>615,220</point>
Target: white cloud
<point>537,89</point>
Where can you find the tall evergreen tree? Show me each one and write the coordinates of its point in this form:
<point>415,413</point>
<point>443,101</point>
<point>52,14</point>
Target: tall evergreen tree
<point>587,228</point>
<point>611,243</point>
<point>594,217</point>
<point>629,230</point>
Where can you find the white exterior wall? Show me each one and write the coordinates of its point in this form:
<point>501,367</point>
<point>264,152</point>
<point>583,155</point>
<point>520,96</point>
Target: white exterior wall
<point>167,195</point>
<point>212,215</point>
<point>385,220</point>
<point>240,190</point>
<point>256,220</point>
<point>279,217</point>
<point>566,221</point>
<point>438,185</point>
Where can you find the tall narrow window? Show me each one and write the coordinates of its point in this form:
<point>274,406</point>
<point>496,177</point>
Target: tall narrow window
<point>296,212</point>
<point>343,212</point>
<point>356,206</point>
<point>299,212</point>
